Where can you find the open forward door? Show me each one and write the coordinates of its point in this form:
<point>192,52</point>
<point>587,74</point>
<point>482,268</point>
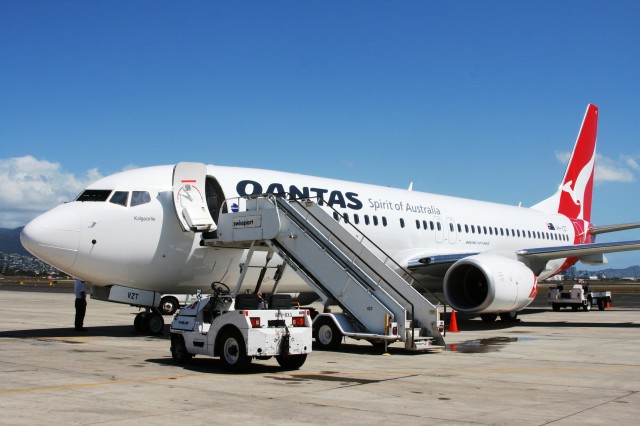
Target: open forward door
<point>189,197</point>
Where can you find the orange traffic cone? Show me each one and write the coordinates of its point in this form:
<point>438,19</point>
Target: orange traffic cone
<point>608,304</point>
<point>453,324</point>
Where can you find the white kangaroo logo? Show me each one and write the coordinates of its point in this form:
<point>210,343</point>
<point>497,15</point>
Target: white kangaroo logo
<point>578,190</point>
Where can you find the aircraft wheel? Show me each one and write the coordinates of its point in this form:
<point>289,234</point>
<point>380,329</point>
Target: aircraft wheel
<point>328,336</point>
<point>488,317</point>
<point>555,307</point>
<point>179,351</point>
<point>155,323</point>
<point>574,307</point>
<point>139,322</point>
<point>587,306</point>
<point>291,362</point>
<point>233,353</point>
<point>509,316</point>
<point>168,305</point>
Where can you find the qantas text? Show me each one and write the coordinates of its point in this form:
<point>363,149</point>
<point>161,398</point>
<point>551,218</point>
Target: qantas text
<point>346,200</point>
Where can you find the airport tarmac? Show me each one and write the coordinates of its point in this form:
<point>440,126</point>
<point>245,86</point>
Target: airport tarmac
<point>561,367</point>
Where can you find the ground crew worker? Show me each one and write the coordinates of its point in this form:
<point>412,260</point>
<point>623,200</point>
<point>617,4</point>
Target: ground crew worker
<point>81,304</point>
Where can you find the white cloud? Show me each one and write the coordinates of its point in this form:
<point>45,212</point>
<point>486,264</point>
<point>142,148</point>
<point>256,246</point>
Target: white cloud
<point>29,186</point>
<point>624,169</point>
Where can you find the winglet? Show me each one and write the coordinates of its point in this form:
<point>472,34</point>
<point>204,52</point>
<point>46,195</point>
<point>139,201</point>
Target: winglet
<point>574,196</point>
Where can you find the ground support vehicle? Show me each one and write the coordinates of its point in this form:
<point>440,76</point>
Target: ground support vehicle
<point>601,299</point>
<point>577,297</point>
<point>241,328</point>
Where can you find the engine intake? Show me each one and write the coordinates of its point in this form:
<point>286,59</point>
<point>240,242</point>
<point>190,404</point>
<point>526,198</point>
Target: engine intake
<point>489,283</point>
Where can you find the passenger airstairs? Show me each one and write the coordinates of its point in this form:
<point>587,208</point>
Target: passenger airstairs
<point>377,304</point>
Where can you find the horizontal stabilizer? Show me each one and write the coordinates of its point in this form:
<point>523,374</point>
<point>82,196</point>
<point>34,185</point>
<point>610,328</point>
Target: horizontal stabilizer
<point>613,228</point>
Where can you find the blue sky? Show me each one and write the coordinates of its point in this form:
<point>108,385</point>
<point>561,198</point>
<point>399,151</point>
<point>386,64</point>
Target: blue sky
<point>478,99</point>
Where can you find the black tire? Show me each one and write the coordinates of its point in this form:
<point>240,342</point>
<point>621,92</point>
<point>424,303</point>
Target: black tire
<point>291,362</point>
<point>233,352</point>
<point>488,317</point>
<point>328,336</point>
<point>154,323</point>
<point>179,351</point>
<point>509,316</point>
<point>139,322</point>
<point>574,307</point>
<point>587,306</point>
<point>601,304</point>
<point>555,307</point>
<point>169,305</point>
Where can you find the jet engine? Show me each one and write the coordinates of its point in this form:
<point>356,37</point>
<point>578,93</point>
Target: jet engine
<point>489,283</point>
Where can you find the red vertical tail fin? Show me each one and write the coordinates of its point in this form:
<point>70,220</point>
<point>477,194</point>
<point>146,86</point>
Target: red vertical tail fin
<point>574,196</point>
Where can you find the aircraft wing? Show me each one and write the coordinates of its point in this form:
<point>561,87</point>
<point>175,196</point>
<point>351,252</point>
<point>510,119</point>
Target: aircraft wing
<point>436,260</point>
<point>431,268</point>
<point>578,250</point>
<point>436,266</point>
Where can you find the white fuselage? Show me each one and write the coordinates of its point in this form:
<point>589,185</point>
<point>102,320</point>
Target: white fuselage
<point>144,246</point>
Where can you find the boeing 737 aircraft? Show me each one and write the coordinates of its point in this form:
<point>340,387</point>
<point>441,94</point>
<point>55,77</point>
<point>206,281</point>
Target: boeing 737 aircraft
<point>133,230</point>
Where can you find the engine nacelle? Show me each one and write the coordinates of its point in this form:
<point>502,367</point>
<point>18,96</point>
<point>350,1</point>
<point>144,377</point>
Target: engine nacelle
<point>489,283</point>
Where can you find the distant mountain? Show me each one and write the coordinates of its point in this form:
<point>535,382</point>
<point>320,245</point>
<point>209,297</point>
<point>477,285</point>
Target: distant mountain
<point>631,271</point>
<point>10,241</point>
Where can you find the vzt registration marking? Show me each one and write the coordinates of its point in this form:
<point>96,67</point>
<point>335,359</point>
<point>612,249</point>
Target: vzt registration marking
<point>133,295</point>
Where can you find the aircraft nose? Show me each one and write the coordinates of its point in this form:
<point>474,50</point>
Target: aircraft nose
<point>54,236</point>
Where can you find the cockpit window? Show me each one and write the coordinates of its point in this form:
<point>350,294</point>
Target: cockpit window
<point>94,195</point>
<point>140,197</point>
<point>120,198</point>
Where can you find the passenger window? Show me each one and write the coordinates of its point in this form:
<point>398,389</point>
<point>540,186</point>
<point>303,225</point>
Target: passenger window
<point>401,223</point>
<point>356,219</point>
<point>384,221</point>
<point>375,220</point>
<point>336,216</point>
<point>417,224</point>
<point>424,224</point>
<point>140,197</point>
<point>345,216</point>
<point>450,226</point>
<point>94,195</point>
<point>439,226</point>
<point>366,219</point>
<point>466,228</point>
<point>120,198</point>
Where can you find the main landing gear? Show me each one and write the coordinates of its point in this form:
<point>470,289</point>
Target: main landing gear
<point>504,316</point>
<point>149,322</point>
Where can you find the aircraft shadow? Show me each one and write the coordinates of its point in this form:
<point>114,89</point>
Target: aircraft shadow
<point>69,332</point>
<point>470,322</point>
